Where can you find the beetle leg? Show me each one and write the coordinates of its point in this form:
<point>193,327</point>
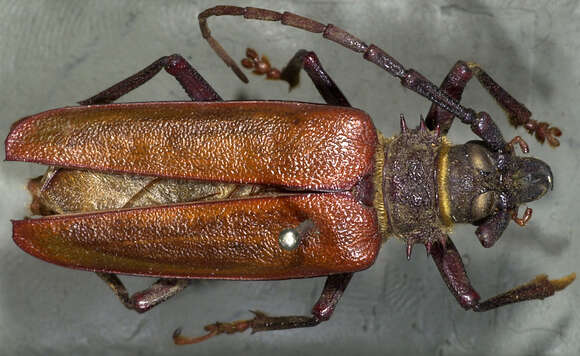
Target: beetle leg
<point>322,311</point>
<point>538,288</point>
<point>191,81</point>
<point>322,81</point>
<point>308,61</point>
<point>454,84</point>
<point>259,65</point>
<point>146,299</point>
<point>452,270</point>
<point>517,113</point>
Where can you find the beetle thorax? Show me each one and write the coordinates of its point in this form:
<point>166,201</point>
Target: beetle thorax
<point>410,185</point>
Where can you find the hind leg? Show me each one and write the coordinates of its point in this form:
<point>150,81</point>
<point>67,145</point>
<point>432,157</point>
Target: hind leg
<point>146,299</point>
<point>198,90</point>
<point>191,81</point>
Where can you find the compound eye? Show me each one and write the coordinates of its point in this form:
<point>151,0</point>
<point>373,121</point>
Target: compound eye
<point>480,158</point>
<point>483,205</point>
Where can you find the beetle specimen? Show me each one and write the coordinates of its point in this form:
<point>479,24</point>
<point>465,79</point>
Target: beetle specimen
<point>272,190</point>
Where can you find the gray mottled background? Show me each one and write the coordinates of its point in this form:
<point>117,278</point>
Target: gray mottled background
<point>54,53</point>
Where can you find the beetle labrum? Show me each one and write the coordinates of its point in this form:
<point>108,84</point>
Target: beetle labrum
<point>272,190</point>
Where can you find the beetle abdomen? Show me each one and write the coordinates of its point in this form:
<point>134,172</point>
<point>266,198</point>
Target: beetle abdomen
<point>233,239</point>
<point>297,145</point>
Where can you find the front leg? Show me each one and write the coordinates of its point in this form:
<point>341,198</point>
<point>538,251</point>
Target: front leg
<point>454,84</point>
<point>322,311</point>
<point>451,267</point>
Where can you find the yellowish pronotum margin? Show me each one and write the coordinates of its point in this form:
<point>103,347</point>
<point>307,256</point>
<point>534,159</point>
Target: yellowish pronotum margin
<point>378,202</point>
<point>442,189</point>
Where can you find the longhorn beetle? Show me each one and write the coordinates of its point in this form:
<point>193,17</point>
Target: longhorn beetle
<point>262,190</point>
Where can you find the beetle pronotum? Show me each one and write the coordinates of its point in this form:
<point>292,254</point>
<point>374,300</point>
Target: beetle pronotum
<point>211,189</point>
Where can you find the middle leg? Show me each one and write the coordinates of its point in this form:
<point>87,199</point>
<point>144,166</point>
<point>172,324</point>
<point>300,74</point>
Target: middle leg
<point>322,311</point>
<point>291,73</point>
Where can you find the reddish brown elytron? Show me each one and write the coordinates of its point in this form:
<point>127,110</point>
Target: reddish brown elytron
<point>272,190</point>
<point>234,239</point>
<point>273,143</point>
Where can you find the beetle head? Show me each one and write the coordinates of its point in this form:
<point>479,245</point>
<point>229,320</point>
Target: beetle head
<point>486,188</point>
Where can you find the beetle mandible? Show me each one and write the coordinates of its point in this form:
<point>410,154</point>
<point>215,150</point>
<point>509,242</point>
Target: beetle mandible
<point>272,190</point>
